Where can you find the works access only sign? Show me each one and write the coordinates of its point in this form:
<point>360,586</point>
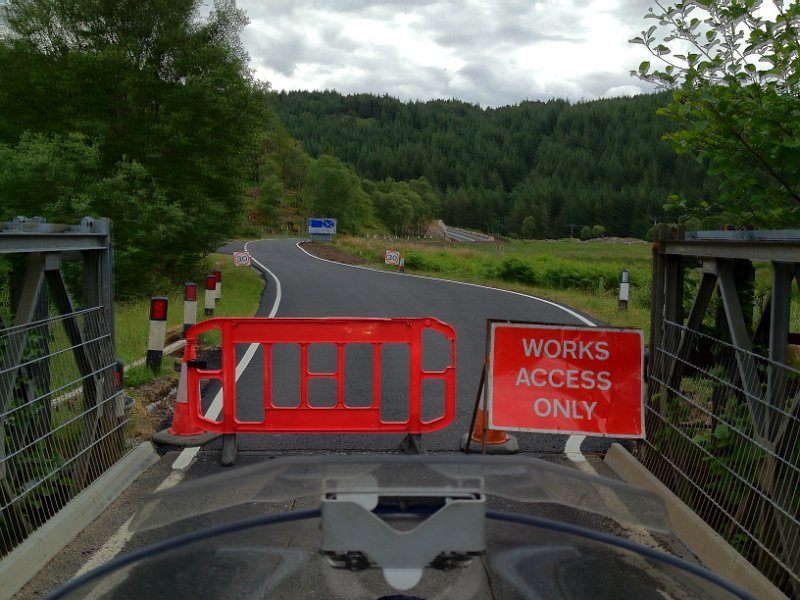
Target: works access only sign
<point>558,379</point>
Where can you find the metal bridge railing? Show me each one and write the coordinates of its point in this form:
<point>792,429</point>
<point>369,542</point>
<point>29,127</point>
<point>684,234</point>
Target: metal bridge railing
<point>62,416</point>
<point>724,435</point>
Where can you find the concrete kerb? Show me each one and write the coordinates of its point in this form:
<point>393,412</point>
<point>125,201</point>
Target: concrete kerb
<point>714,552</point>
<point>171,349</point>
<point>33,554</point>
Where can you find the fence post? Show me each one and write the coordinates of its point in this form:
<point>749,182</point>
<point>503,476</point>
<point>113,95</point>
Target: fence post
<point>657,298</point>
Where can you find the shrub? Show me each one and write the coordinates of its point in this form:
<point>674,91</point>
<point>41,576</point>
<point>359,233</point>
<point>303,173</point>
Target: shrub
<point>515,269</point>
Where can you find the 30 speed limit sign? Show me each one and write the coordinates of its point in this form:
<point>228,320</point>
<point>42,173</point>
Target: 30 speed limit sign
<point>241,259</point>
<point>392,257</point>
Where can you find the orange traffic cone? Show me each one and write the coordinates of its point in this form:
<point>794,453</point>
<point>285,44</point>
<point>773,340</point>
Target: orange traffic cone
<point>181,419</point>
<point>183,432</point>
<point>492,441</point>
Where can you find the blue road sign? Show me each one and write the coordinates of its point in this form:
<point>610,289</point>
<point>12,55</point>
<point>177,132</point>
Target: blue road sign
<point>325,226</point>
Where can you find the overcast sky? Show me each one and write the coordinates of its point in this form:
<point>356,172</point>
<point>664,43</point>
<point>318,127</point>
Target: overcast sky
<point>487,52</point>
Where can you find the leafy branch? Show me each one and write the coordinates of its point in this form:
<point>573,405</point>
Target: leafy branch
<point>733,67</point>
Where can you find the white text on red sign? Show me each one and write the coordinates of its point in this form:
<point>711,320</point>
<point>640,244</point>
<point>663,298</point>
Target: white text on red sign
<point>565,380</point>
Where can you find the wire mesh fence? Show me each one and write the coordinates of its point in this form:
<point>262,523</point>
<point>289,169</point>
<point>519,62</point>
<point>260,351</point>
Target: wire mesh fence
<point>62,416</point>
<point>724,435</point>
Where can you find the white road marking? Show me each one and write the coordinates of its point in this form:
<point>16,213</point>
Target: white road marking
<point>572,448</point>
<point>188,454</point>
<point>182,463</point>
<point>566,309</point>
<point>639,534</point>
<point>109,550</point>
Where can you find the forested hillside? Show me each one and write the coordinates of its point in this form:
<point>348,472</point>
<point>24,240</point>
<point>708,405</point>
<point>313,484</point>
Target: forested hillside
<point>538,169</point>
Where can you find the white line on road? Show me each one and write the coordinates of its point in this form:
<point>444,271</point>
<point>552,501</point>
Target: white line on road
<point>187,455</point>
<point>572,448</point>
<point>123,535</point>
<point>109,550</point>
<point>182,463</point>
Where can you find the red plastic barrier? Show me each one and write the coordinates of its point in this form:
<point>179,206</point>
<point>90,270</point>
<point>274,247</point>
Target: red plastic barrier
<point>304,418</point>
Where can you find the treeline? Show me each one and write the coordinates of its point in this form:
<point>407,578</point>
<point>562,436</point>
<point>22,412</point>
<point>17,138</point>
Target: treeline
<point>538,169</point>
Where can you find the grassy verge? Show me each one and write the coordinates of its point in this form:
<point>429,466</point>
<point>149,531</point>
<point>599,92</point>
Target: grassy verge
<point>241,295</point>
<point>582,275</point>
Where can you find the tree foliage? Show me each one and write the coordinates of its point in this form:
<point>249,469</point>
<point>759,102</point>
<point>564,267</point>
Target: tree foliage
<point>334,191</point>
<point>63,175</point>
<point>157,108</point>
<point>277,179</point>
<point>562,165</point>
<point>405,207</point>
<point>733,67</point>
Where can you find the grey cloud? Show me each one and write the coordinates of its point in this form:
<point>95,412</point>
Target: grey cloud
<point>497,28</point>
<point>481,33</point>
<point>280,53</point>
<point>399,81</point>
<point>478,73</point>
<point>490,84</point>
<point>499,36</point>
<point>275,9</point>
<point>598,84</point>
<point>333,39</point>
<point>361,6</point>
<point>632,10</point>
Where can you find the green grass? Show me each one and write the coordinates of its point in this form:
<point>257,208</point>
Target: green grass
<point>241,295</point>
<point>142,374</point>
<point>582,275</point>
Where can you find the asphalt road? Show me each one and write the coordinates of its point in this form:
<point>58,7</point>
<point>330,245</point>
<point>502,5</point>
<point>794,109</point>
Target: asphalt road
<point>462,235</point>
<point>299,285</point>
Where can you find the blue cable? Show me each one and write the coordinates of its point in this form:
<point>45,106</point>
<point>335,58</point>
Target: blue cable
<point>607,538</point>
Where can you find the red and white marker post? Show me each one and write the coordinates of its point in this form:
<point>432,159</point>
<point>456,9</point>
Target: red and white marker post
<point>211,294</point>
<point>189,305</point>
<point>158,332</point>
<point>218,285</point>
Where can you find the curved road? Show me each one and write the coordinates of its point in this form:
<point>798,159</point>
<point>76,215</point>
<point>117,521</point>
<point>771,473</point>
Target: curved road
<point>311,287</point>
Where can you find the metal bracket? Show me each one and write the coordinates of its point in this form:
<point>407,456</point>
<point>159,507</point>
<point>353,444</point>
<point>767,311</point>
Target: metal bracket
<point>228,449</point>
<point>445,532</point>
<point>412,444</point>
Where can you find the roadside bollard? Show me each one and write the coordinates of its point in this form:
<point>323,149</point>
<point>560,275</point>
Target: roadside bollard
<point>218,288</point>
<point>211,294</point>
<point>158,331</point>
<point>402,265</point>
<point>189,305</point>
<point>624,289</point>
